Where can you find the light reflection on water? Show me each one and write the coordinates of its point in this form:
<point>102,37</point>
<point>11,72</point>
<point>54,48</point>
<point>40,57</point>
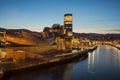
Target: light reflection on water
<point>101,64</point>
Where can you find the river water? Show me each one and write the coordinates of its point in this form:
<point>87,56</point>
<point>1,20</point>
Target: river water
<point>101,64</point>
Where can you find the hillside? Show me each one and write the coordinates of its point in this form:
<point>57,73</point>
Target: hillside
<point>95,35</point>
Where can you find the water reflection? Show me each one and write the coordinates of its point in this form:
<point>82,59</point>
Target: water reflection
<point>67,72</point>
<point>61,72</point>
<point>101,64</point>
<point>105,60</point>
<point>91,62</point>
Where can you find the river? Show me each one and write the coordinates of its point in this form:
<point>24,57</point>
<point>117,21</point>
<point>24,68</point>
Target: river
<point>101,64</point>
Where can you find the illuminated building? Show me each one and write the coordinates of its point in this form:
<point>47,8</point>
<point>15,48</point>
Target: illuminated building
<point>63,34</point>
<point>59,31</point>
<point>69,33</point>
<point>68,24</point>
<point>44,34</point>
<point>2,39</point>
<point>2,36</point>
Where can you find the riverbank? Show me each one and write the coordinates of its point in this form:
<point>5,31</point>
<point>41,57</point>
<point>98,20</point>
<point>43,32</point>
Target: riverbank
<point>67,57</point>
<point>112,44</point>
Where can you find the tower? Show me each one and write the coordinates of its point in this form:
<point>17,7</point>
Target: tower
<point>68,24</point>
<point>68,28</point>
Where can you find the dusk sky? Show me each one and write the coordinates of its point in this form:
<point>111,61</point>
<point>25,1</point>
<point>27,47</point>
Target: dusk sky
<point>101,16</point>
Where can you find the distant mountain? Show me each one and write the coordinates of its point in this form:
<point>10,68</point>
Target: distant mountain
<point>95,35</point>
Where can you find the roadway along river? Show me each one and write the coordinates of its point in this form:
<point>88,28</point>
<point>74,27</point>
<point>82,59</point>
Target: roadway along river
<point>101,64</point>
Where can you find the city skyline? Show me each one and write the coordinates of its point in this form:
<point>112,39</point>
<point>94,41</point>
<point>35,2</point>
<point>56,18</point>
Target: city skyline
<point>89,16</point>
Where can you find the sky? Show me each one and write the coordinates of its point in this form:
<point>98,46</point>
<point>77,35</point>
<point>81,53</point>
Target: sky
<point>89,16</point>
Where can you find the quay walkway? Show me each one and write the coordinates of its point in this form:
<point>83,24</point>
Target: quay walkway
<point>58,59</point>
